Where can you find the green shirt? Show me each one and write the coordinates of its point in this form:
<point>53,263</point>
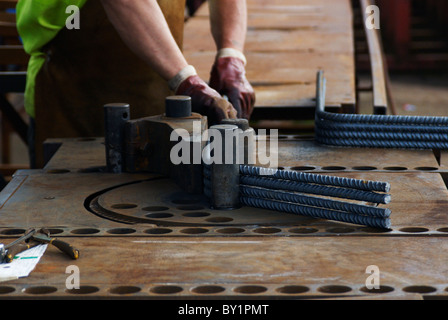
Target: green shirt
<point>38,22</point>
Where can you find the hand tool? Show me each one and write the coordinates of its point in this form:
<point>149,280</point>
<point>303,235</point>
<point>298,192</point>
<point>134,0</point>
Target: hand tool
<point>9,251</point>
<point>43,236</point>
<point>16,249</point>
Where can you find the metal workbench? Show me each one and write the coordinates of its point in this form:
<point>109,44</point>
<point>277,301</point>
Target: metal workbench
<point>142,237</point>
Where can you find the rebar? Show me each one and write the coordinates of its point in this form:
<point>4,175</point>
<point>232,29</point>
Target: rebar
<point>224,174</point>
<point>115,117</point>
<point>356,127</point>
<point>383,223</point>
<point>254,195</point>
<point>311,201</point>
<point>279,184</point>
<point>384,119</point>
<point>315,178</point>
<point>377,131</point>
<point>395,136</point>
<point>367,143</point>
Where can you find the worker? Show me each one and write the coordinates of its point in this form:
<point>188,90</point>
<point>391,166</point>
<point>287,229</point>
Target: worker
<point>124,51</point>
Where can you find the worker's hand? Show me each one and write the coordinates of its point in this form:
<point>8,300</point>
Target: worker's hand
<point>228,77</point>
<point>205,100</point>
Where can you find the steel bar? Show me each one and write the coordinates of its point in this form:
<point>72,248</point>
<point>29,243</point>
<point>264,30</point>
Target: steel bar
<point>370,143</point>
<point>384,119</point>
<point>279,184</point>
<point>291,185</point>
<point>315,178</point>
<point>246,143</point>
<point>178,106</point>
<point>225,174</point>
<point>356,127</point>
<point>377,131</point>
<point>383,223</point>
<point>115,117</point>
<point>207,183</point>
<point>395,136</point>
<point>311,201</point>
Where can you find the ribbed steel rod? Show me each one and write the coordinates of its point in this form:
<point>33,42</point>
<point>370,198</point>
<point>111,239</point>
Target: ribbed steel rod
<point>355,127</point>
<point>384,119</point>
<point>315,178</point>
<point>383,223</point>
<point>410,140</point>
<point>399,136</point>
<point>311,201</point>
<point>321,114</point>
<point>279,184</point>
<point>383,143</point>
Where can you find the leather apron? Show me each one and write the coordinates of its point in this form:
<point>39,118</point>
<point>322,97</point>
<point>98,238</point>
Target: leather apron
<point>90,67</point>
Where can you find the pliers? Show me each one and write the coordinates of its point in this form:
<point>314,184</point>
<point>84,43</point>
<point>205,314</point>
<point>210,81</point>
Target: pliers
<point>30,239</point>
<point>7,252</point>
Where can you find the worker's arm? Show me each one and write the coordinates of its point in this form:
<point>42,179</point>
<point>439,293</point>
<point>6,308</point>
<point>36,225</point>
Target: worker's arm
<point>228,20</point>
<point>142,26</point>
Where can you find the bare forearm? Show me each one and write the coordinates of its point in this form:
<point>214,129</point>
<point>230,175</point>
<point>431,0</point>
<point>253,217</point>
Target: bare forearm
<point>228,19</point>
<point>143,28</point>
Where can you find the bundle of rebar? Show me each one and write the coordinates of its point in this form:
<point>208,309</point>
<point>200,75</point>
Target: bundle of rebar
<point>377,131</point>
<point>310,195</point>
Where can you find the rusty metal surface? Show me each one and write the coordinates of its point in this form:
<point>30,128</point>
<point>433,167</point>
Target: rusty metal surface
<point>418,200</point>
<point>298,267</point>
<point>296,153</point>
<point>183,249</point>
<point>419,197</point>
<point>444,160</point>
<point>68,158</point>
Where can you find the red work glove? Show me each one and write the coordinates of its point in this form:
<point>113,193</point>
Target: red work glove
<point>228,77</point>
<point>205,100</point>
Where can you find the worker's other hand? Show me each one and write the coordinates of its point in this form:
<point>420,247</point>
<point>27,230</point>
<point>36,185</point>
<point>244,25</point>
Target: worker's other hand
<point>228,77</point>
<point>206,101</point>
